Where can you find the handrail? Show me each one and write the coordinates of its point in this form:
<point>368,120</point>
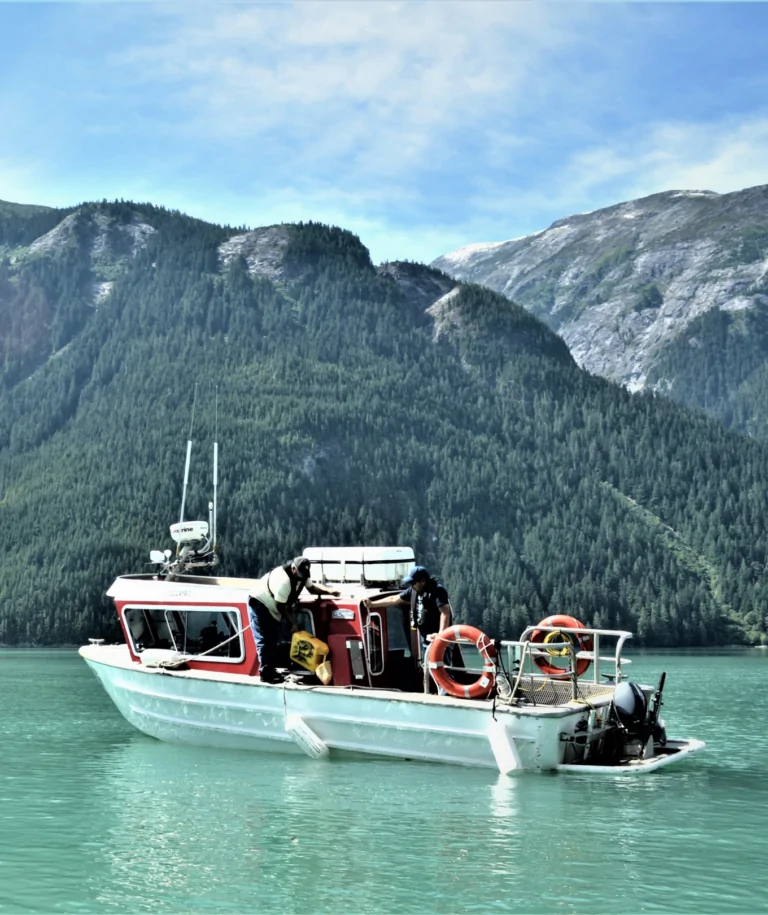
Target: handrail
<point>621,636</point>
<point>520,669</point>
<point>581,629</point>
<point>526,649</point>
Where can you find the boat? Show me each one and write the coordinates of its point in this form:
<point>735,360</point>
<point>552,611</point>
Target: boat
<point>556,699</point>
<point>355,679</point>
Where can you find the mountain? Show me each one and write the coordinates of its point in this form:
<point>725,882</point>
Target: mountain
<point>669,292</point>
<point>353,403</point>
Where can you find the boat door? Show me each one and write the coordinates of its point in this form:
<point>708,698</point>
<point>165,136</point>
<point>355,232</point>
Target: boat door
<point>388,654</point>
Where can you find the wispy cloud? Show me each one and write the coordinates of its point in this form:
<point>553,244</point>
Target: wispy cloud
<point>421,125</point>
<point>377,83</point>
<point>725,156</point>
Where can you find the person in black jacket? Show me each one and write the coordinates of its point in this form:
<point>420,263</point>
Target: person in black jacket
<point>427,600</point>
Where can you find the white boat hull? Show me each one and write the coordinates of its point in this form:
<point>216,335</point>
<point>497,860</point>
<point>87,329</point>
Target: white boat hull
<point>240,712</point>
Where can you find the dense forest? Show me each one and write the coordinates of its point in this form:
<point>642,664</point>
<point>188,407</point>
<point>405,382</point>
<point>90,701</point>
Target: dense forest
<point>347,412</point>
<point>719,364</point>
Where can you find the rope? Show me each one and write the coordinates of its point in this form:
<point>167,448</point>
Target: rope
<point>499,665</point>
<point>221,644</point>
<point>194,657</point>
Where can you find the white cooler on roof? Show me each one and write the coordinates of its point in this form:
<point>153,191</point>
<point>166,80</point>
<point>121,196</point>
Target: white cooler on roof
<point>360,564</point>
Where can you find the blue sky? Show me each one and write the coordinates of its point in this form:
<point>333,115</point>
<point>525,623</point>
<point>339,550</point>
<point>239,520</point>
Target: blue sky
<point>421,126</point>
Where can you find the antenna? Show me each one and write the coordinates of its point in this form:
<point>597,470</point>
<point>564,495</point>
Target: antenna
<point>212,505</point>
<point>215,462</point>
<point>189,453</point>
<point>195,540</point>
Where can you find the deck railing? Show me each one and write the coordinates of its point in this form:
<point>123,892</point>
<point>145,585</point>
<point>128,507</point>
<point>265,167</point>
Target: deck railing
<point>519,659</point>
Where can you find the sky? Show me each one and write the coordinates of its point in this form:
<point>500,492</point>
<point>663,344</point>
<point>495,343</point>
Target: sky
<point>421,126</point>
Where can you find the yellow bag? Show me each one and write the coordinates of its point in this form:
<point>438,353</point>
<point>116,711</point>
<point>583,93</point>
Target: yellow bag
<point>324,673</point>
<point>307,650</point>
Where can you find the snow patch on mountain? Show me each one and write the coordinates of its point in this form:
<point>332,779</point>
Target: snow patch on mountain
<point>470,252</point>
<point>693,194</point>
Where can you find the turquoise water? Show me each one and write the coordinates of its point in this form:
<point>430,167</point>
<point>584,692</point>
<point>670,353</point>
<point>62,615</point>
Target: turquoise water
<point>95,817</point>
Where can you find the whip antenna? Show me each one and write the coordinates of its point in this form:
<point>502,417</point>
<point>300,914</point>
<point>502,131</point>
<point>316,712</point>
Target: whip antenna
<point>215,462</point>
<point>189,453</point>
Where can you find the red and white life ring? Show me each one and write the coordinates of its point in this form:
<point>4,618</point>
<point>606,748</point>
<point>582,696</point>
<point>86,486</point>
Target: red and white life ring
<point>540,636</point>
<point>482,686</point>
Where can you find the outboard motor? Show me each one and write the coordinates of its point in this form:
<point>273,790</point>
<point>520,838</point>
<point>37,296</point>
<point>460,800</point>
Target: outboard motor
<point>640,731</point>
<point>631,707</point>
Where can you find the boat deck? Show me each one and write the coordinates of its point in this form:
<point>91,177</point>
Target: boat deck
<point>543,690</point>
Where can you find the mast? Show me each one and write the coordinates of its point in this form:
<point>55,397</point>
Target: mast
<point>189,453</point>
<point>215,464</point>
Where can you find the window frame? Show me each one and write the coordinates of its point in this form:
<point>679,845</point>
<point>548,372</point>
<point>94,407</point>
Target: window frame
<point>168,609</point>
<point>379,634</point>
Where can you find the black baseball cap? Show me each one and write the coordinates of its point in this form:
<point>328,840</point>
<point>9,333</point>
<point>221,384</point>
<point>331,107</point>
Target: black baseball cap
<point>416,574</point>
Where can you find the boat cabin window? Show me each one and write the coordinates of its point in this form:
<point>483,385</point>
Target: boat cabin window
<point>396,630</point>
<point>304,620</point>
<point>192,630</point>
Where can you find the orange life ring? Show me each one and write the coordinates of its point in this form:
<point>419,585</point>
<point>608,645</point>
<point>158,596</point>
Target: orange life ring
<point>569,622</point>
<point>481,687</point>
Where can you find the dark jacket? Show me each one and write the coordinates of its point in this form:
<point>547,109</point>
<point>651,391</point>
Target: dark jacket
<point>425,607</point>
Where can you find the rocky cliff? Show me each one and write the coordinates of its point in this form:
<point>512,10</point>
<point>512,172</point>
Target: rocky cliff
<point>621,284</point>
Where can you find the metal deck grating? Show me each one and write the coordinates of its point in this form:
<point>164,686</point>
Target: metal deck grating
<point>546,691</point>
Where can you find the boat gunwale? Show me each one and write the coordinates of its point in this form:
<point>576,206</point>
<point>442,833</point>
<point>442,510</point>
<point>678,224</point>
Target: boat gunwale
<point>95,654</point>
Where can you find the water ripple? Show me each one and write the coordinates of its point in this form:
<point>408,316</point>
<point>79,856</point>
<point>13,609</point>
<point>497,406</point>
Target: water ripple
<point>96,818</point>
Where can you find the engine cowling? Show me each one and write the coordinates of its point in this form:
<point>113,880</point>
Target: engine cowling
<point>631,706</point>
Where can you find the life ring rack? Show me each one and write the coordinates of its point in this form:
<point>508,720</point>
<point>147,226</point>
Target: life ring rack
<point>543,637</point>
<point>436,653</point>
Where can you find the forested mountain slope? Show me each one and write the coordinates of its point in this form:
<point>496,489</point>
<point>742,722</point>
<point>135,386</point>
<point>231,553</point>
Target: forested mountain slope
<point>356,405</point>
<point>668,293</point>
